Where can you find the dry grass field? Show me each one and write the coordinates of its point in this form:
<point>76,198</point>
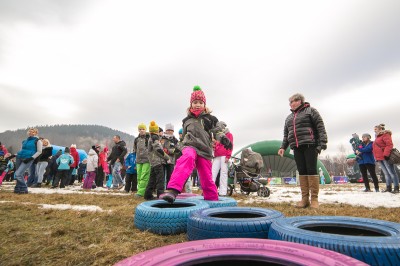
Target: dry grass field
<point>33,235</point>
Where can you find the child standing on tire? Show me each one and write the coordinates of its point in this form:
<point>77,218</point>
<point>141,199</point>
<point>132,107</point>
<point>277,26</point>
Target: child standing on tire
<point>198,128</point>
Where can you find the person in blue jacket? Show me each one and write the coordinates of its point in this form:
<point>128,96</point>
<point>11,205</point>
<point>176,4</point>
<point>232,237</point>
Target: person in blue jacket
<point>31,149</point>
<point>64,163</point>
<point>366,161</point>
<point>131,174</point>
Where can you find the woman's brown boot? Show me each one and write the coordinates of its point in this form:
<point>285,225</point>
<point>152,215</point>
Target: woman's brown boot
<point>305,192</point>
<point>313,180</point>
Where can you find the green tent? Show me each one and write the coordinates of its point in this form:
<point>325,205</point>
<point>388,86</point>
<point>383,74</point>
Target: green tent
<point>281,166</point>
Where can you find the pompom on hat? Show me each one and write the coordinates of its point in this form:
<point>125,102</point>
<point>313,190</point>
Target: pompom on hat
<point>197,94</point>
<point>153,127</point>
<point>142,126</point>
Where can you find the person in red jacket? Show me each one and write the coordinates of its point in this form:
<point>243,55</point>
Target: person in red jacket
<point>74,153</point>
<point>220,161</point>
<point>382,146</point>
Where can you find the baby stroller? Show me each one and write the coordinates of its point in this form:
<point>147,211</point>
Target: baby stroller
<point>247,174</point>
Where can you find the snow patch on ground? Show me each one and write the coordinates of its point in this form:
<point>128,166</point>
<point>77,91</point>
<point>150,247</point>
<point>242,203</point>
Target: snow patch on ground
<point>76,189</point>
<point>331,194</point>
<point>90,208</point>
<point>351,194</point>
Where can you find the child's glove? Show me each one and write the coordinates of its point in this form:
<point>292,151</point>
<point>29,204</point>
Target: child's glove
<point>166,157</point>
<point>386,158</point>
<point>226,142</point>
<point>27,160</point>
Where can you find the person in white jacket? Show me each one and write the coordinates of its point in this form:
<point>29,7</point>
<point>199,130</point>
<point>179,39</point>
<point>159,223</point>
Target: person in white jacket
<point>91,169</point>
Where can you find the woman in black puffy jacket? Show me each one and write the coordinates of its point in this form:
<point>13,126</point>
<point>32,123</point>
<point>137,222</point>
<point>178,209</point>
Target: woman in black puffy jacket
<point>305,133</point>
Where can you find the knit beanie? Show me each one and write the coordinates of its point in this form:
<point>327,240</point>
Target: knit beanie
<point>366,135</point>
<point>169,127</point>
<point>153,127</point>
<point>142,126</point>
<point>197,94</point>
<point>180,131</point>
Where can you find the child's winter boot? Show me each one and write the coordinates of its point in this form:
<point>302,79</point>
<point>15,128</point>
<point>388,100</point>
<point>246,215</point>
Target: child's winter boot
<point>169,195</point>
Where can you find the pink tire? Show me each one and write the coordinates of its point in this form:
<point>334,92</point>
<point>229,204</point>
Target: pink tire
<point>227,251</point>
<point>186,195</point>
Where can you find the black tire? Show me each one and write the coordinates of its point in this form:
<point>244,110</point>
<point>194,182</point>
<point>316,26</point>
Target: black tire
<point>222,202</point>
<point>375,242</point>
<point>231,222</point>
<point>161,217</point>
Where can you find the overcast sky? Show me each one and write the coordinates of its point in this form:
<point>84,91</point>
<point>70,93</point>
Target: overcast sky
<point>119,63</point>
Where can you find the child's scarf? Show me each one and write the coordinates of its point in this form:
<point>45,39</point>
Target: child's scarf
<point>196,113</point>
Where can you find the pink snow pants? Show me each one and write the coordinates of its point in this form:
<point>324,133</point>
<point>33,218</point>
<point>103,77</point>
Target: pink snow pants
<point>90,176</point>
<point>184,168</point>
<point>2,177</point>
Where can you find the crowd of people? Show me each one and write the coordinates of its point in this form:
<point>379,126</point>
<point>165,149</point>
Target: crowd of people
<point>149,171</point>
<point>161,165</point>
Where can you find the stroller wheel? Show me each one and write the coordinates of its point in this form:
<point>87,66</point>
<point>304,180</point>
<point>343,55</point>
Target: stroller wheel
<point>263,192</point>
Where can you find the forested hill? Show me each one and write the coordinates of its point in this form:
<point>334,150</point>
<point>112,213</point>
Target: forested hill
<point>84,136</point>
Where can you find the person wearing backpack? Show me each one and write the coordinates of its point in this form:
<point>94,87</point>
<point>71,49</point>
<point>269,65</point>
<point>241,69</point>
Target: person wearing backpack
<point>157,157</point>
<point>31,149</point>
<point>305,133</point>
<point>140,147</point>
<point>169,143</point>
<point>199,128</point>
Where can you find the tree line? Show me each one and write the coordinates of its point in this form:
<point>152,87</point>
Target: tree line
<point>84,136</point>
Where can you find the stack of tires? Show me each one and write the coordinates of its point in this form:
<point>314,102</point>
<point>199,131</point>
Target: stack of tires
<point>218,231</point>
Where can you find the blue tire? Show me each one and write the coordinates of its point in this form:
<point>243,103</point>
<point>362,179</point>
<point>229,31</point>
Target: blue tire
<point>231,222</point>
<point>222,202</point>
<point>161,217</point>
<point>375,242</point>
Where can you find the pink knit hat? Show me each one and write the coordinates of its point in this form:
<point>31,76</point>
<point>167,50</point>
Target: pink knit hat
<point>197,94</point>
